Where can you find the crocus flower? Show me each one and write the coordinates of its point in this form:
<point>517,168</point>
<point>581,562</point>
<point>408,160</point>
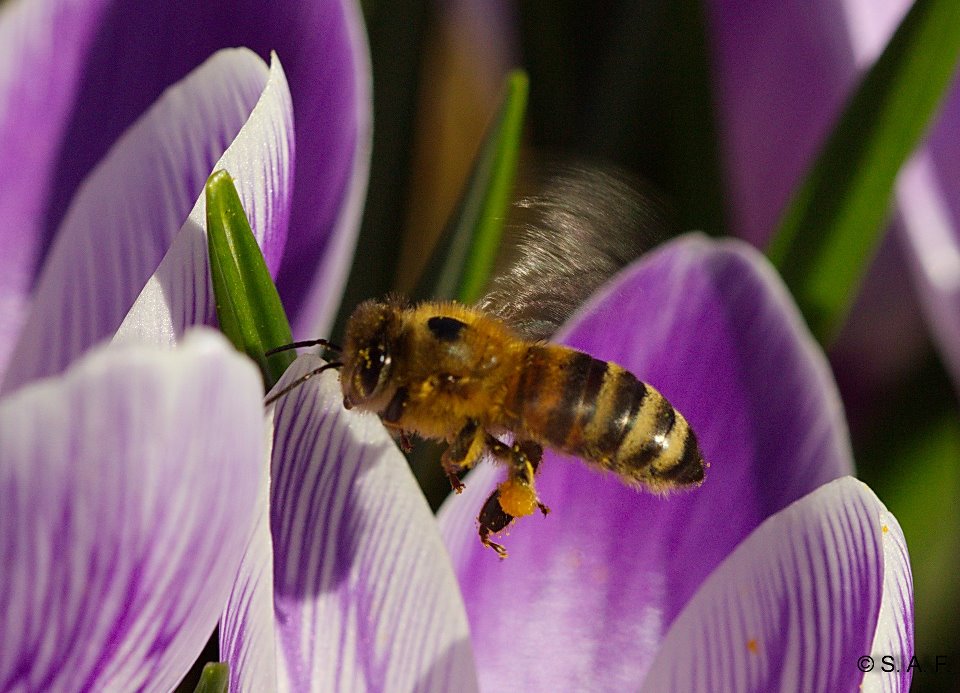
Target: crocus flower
<point>130,476</point>
<point>779,572</point>
<point>345,582</point>
<point>783,73</point>
<point>98,206</point>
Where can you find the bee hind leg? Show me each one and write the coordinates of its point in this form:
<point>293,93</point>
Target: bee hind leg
<point>463,452</point>
<point>534,455</point>
<point>518,494</point>
<point>492,520</point>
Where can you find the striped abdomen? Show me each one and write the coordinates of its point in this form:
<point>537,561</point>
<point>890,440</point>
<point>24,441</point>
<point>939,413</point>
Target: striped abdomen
<point>598,411</point>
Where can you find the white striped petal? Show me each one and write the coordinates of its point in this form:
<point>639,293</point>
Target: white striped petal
<point>814,588</point>
<point>894,634</point>
<point>129,209</point>
<point>247,627</point>
<point>179,293</point>
<point>127,486</point>
<point>364,593</point>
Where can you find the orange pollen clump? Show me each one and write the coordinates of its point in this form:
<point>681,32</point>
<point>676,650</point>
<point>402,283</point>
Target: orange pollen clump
<point>517,498</point>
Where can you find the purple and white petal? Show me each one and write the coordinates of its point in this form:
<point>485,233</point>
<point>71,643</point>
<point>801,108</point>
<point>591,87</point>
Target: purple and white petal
<point>179,294</point>
<point>711,326</point>
<point>127,485</point>
<point>42,48</point>
<point>248,634</point>
<point>143,47</point>
<point>129,210</point>
<point>117,60</point>
<point>797,604</point>
<point>894,634</point>
<point>365,597</point>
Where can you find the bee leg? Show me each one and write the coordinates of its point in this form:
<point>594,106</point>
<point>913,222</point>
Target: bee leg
<point>455,482</point>
<point>523,457</point>
<point>493,519</point>
<point>401,436</point>
<point>518,491</point>
<point>534,453</point>
<point>463,452</point>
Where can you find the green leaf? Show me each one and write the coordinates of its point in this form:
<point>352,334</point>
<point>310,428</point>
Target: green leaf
<point>248,306</point>
<point>923,497</point>
<point>908,452</point>
<point>921,487</point>
<point>215,678</point>
<point>463,258</point>
<point>831,226</point>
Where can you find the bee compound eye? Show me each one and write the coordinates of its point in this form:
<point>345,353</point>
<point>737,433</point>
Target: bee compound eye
<point>373,363</point>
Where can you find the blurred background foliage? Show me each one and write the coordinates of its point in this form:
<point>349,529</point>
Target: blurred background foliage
<point>629,83</point>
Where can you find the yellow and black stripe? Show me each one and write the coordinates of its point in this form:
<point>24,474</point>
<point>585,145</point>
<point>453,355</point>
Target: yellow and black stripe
<point>600,412</point>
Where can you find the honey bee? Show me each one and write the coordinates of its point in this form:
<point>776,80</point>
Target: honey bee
<point>449,372</point>
<point>444,371</point>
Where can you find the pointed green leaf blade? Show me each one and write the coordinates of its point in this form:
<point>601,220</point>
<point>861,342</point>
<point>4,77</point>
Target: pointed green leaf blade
<point>463,258</point>
<point>831,226</point>
<point>248,305</point>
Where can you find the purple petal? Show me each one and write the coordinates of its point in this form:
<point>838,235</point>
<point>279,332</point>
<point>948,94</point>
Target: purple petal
<point>141,48</point>
<point>334,118</point>
<point>42,47</point>
<point>128,211</point>
<point>797,604</point>
<point>783,71</point>
<point>127,485</point>
<point>364,594</point>
<point>711,326</point>
<point>928,196</point>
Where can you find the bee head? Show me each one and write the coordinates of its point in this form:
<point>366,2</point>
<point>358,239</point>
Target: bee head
<point>371,337</point>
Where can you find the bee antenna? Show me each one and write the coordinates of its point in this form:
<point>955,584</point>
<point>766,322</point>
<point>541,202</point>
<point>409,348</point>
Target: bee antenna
<point>307,343</point>
<point>300,381</point>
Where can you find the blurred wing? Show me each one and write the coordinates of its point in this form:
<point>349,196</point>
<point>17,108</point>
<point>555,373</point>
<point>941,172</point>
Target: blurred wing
<point>585,226</point>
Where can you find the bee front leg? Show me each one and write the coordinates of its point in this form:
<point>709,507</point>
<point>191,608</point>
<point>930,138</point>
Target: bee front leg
<point>398,434</point>
<point>463,452</point>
